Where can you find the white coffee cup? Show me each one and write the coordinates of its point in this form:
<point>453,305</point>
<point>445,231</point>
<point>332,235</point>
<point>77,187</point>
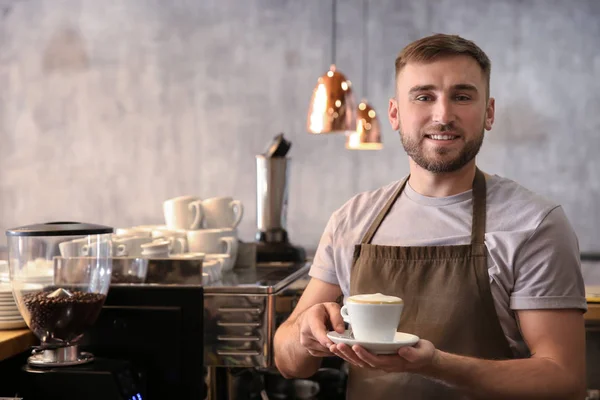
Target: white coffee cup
<point>183,212</point>
<point>86,247</point>
<point>177,239</point>
<point>157,249</point>
<point>373,317</point>
<point>71,248</point>
<point>222,212</point>
<point>214,269</point>
<point>213,241</point>
<point>226,260</point>
<point>129,246</point>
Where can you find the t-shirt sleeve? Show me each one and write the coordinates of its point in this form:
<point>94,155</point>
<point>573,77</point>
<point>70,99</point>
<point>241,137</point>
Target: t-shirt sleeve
<point>548,267</point>
<point>323,266</point>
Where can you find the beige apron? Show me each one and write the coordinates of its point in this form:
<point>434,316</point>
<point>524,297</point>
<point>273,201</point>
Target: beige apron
<point>447,300</point>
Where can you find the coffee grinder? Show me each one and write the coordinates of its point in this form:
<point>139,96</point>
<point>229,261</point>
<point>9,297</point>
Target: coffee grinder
<point>272,176</point>
<point>59,310</point>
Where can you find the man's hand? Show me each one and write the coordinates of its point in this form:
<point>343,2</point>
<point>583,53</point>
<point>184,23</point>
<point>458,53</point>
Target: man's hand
<point>419,357</point>
<point>314,323</point>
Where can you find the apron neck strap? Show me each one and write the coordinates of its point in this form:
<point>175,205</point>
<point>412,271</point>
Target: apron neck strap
<point>479,208</point>
<point>384,212</point>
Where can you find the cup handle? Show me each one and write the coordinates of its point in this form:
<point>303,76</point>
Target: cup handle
<point>228,241</point>
<point>182,243</point>
<point>238,210</point>
<point>121,250</point>
<point>345,316</point>
<point>196,206</point>
<point>220,262</point>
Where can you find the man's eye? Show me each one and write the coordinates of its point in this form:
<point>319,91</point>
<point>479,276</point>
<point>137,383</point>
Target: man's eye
<point>423,98</point>
<point>461,97</point>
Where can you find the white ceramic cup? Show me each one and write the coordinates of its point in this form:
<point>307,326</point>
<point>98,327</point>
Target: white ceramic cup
<point>214,269</point>
<point>213,241</point>
<point>83,247</point>
<point>373,317</point>
<point>183,212</point>
<point>177,239</point>
<point>222,212</point>
<point>70,248</point>
<point>157,249</point>
<point>225,259</point>
<point>129,246</point>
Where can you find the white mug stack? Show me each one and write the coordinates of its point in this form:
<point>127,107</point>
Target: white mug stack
<point>194,228</point>
<point>209,226</point>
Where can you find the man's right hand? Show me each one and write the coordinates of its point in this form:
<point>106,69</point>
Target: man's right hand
<point>313,325</point>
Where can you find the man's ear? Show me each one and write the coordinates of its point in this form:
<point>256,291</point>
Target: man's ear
<point>393,114</point>
<point>490,112</point>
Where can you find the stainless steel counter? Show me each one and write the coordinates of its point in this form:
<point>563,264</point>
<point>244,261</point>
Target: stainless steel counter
<point>264,279</point>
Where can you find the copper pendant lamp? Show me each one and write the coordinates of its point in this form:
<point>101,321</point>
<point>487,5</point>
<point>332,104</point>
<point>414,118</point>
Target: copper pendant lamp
<point>332,108</point>
<point>368,131</point>
<point>367,135</point>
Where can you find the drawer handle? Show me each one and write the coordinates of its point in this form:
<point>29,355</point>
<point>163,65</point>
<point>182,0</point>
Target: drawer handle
<point>225,338</point>
<point>252,324</point>
<point>244,353</point>
<point>240,310</point>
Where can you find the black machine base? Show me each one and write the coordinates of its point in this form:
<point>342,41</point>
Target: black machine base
<point>274,246</point>
<point>101,379</point>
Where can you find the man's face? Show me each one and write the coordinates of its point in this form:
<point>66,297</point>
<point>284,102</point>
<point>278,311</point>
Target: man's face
<point>441,112</point>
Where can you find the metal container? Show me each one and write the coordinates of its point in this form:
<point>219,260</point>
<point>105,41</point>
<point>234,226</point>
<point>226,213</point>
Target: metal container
<point>271,193</point>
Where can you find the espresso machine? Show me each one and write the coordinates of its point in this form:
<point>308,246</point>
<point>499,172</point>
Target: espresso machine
<point>272,177</point>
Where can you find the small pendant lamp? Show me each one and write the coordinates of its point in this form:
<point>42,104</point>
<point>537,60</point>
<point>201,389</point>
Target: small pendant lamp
<point>367,135</point>
<point>332,108</point>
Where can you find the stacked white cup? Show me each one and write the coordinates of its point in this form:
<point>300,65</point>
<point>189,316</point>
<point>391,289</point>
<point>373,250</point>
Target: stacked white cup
<point>209,226</point>
<point>194,228</point>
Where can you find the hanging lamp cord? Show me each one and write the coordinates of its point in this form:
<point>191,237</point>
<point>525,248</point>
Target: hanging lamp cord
<point>333,29</point>
<point>365,45</point>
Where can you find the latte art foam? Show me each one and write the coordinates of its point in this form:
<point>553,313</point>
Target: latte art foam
<point>375,298</point>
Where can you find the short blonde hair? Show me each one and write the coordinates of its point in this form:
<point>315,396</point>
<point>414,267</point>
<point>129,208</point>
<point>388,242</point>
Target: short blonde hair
<point>440,45</point>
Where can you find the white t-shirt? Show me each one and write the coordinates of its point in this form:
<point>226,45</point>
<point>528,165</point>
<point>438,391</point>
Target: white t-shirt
<point>533,252</point>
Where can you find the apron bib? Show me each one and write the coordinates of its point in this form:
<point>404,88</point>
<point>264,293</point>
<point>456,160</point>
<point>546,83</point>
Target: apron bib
<point>447,300</point>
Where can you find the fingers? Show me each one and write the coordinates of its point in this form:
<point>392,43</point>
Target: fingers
<point>312,344</point>
<point>335,317</point>
<point>420,355</point>
<point>345,352</point>
<point>387,363</point>
<point>318,328</point>
<point>317,353</point>
<point>408,353</point>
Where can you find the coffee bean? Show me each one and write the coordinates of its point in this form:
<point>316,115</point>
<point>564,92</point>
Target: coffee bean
<point>65,318</point>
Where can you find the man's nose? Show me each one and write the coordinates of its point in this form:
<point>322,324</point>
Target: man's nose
<point>443,112</point>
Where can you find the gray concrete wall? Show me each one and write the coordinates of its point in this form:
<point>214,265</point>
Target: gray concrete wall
<point>109,107</point>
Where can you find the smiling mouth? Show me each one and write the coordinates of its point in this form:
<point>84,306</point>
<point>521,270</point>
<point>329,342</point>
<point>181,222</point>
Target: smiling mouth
<point>441,137</point>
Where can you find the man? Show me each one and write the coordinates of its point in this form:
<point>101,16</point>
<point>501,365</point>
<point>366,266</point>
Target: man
<point>489,271</point>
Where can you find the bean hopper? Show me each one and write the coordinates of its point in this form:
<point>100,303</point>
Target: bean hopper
<point>60,275</point>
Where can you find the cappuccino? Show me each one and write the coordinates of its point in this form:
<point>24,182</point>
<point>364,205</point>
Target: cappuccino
<point>373,317</point>
<point>375,298</point>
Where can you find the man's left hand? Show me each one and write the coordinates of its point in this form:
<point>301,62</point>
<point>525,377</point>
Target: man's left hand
<point>415,358</point>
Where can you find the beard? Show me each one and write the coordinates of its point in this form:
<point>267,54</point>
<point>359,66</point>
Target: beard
<point>441,162</point>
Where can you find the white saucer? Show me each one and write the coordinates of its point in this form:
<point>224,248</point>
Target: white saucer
<point>401,339</point>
